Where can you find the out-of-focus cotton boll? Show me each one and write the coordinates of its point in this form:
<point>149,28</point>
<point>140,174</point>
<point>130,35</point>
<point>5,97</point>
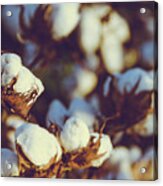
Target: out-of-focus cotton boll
<point>56,113</point>
<point>37,144</point>
<point>135,154</point>
<point>9,163</point>
<point>119,154</point>
<point>145,127</point>
<point>86,81</point>
<point>105,149</point>
<point>71,137</point>
<point>83,110</point>
<point>11,23</point>
<point>118,26</point>
<point>125,172</point>
<point>90,31</point>
<point>10,67</point>
<point>112,53</point>
<point>129,79</point>
<point>65,19</point>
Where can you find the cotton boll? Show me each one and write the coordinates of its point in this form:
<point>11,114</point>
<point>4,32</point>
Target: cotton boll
<point>9,163</point>
<point>119,154</point>
<point>10,67</point>
<point>86,81</point>
<point>25,80</point>
<point>105,149</point>
<point>65,18</point>
<point>100,10</point>
<point>81,109</point>
<point>75,134</point>
<point>37,144</point>
<point>90,31</point>
<point>56,113</point>
<point>112,53</point>
<point>129,79</point>
<point>118,26</point>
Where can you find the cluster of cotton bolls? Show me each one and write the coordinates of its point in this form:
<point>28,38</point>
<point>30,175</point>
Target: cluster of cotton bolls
<point>40,151</point>
<point>83,85</point>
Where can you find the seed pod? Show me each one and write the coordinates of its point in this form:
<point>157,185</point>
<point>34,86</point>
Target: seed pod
<point>20,88</point>
<point>75,134</point>
<point>105,149</point>
<point>37,145</point>
<point>9,163</point>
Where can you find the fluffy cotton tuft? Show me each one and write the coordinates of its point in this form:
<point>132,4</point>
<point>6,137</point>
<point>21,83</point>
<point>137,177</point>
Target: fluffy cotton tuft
<point>10,67</point>
<point>105,149</point>
<point>75,134</point>
<point>9,163</point>
<point>37,144</point>
<point>25,81</point>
